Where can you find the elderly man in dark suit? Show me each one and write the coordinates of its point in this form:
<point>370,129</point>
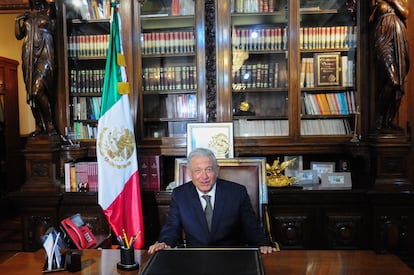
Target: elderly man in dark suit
<point>224,218</point>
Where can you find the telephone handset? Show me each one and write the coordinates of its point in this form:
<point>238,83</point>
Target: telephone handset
<point>78,232</point>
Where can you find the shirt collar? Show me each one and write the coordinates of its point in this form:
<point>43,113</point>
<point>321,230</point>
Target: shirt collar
<point>211,193</point>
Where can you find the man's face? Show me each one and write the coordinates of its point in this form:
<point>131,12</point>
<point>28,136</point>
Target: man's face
<point>203,173</point>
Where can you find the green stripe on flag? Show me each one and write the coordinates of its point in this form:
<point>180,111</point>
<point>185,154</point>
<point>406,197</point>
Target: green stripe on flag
<point>110,94</point>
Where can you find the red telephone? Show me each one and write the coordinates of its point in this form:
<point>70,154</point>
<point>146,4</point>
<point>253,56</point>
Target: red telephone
<point>78,232</point>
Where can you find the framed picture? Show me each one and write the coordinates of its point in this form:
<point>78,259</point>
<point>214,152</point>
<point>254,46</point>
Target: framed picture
<point>323,167</point>
<point>306,177</point>
<point>327,69</point>
<point>296,166</point>
<point>339,180</point>
<point>217,137</point>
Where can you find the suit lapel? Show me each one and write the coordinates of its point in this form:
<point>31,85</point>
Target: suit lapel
<point>219,204</point>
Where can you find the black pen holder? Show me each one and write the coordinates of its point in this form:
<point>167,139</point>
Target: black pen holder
<point>127,259</point>
<point>74,261</point>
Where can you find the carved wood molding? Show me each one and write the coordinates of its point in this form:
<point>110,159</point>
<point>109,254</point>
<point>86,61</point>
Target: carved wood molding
<point>210,40</point>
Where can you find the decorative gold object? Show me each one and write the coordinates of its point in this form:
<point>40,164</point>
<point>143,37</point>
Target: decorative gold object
<point>275,178</point>
<point>244,106</point>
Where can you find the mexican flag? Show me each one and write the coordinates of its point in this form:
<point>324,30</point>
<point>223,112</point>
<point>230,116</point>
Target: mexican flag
<point>118,180</point>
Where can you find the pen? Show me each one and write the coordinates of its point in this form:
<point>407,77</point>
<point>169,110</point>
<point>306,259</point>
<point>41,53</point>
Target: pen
<point>126,239</point>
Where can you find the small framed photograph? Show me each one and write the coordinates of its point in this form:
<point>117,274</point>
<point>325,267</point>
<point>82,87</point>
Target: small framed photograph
<point>217,137</point>
<point>339,180</point>
<point>296,166</point>
<point>306,177</point>
<point>322,167</point>
<point>327,69</point>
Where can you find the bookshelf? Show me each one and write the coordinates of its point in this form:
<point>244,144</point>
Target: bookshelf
<point>319,51</point>
<point>86,41</point>
<point>170,69</point>
<point>256,64</point>
<point>328,48</point>
<point>259,43</point>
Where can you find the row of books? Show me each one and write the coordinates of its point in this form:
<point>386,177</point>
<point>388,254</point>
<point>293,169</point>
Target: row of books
<point>328,37</point>
<point>261,75</point>
<point>249,6</point>
<point>90,45</point>
<point>86,108</point>
<point>343,72</point>
<point>83,130</point>
<point>310,38</point>
<point>248,128</point>
<point>81,176</point>
<point>150,171</point>
<point>86,81</point>
<point>259,39</point>
<point>169,78</point>
<point>325,127</point>
<point>181,106</point>
<point>342,103</point>
<point>168,42</point>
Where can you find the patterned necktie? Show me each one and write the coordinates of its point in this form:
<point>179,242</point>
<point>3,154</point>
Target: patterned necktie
<point>208,211</point>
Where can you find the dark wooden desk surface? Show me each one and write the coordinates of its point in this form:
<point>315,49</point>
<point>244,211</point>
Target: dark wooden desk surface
<point>283,262</point>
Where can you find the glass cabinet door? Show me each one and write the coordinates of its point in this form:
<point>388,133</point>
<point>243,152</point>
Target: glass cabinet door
<point>259,42</point>
<point>328,52</point>
<point>86,40</point>
<point>169,67</point>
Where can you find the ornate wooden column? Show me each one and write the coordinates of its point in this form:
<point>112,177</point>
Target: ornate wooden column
<point>390,143</point>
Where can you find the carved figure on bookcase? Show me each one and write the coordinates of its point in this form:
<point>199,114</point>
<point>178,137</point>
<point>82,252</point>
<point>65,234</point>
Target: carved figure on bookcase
<point>391,47</point>
<point>37,28</point>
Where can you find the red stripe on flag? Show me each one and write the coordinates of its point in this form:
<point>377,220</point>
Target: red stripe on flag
<point>125,212</point>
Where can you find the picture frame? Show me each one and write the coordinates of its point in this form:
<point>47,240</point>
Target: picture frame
<point>327,69</point>
<point>306,177</point>
<point>290,171</point>
<point>247,171</point>
<point>338,180</point>
<point>322,167</point>
<point>217,137</point>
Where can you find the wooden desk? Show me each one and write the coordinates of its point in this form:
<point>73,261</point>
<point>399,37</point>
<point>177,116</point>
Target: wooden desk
<point>283,262</point>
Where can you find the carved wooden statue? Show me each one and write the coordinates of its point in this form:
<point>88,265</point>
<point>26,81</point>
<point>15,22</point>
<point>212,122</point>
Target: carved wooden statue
<point>391,48</point>
<point>36,28</point>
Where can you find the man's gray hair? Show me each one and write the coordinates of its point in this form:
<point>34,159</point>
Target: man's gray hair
<point>202,152</point>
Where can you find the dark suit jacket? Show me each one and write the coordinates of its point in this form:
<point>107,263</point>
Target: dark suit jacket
<point>234,220</point>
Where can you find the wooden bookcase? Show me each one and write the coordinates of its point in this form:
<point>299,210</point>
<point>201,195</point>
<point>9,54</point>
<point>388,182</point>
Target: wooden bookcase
<point>208,41</point>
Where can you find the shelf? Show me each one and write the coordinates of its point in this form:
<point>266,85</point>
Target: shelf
<point>167,92</point>
<point>87,58</point>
